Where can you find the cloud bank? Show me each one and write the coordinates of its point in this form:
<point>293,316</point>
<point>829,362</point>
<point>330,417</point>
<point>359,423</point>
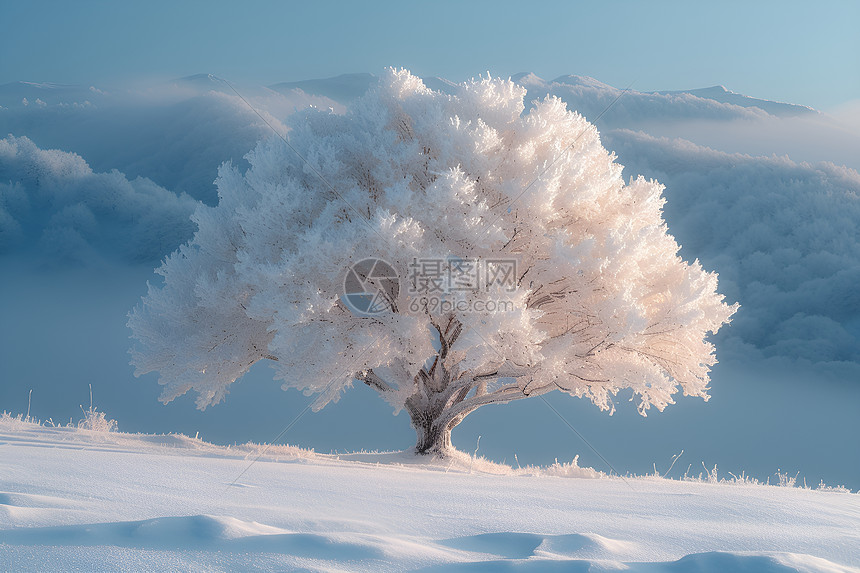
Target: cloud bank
<point>781,234</point>
<point>781,231</point>
<point>175,133</point>
<point>54,206</point>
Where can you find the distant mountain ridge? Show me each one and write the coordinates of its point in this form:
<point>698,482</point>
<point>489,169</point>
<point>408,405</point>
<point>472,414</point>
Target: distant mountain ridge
<point>579,91</point>
<point>342,89</point>
<point>723,95</point>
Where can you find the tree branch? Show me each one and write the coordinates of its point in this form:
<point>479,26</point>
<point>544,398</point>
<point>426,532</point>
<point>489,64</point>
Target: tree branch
<point>370,378</point>
<point>505,394</point>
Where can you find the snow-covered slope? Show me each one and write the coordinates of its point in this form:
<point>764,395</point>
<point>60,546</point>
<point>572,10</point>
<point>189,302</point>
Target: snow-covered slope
<point>79,500</point>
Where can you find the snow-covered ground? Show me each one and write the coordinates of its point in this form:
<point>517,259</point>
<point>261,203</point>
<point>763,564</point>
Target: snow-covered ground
<point>73,499</point>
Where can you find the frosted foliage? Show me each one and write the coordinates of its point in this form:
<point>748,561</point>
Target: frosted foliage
<point>603,302</point>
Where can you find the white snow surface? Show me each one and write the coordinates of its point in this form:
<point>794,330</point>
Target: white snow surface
<point>73,499</point>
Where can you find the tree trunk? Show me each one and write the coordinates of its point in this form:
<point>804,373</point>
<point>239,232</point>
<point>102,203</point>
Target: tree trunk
<point>434,439</point>
<point>433,422</point>
<point>434,435</point>
<point>443,397</point>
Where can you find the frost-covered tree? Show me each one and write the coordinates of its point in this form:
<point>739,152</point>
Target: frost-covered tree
<point>600,301</point>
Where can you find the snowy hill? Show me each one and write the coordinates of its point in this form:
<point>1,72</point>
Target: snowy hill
<point>594,99</point>
<point>74,500</point>
<point>719,94</point>
<point>203,82</point>
<point>343,89</point>
<point>723,95</point>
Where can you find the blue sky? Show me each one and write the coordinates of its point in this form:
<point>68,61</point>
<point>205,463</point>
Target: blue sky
<point>801,52</point>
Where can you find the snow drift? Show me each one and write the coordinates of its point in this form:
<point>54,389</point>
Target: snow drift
<point>86,501</point>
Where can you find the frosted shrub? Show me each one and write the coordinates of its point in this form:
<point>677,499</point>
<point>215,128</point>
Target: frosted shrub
<point>94,420</point>
<point>19,422</point>
<point>785,479</point>
<point>600,300</point>
<point>568,470</point>
<point>97,422</point>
